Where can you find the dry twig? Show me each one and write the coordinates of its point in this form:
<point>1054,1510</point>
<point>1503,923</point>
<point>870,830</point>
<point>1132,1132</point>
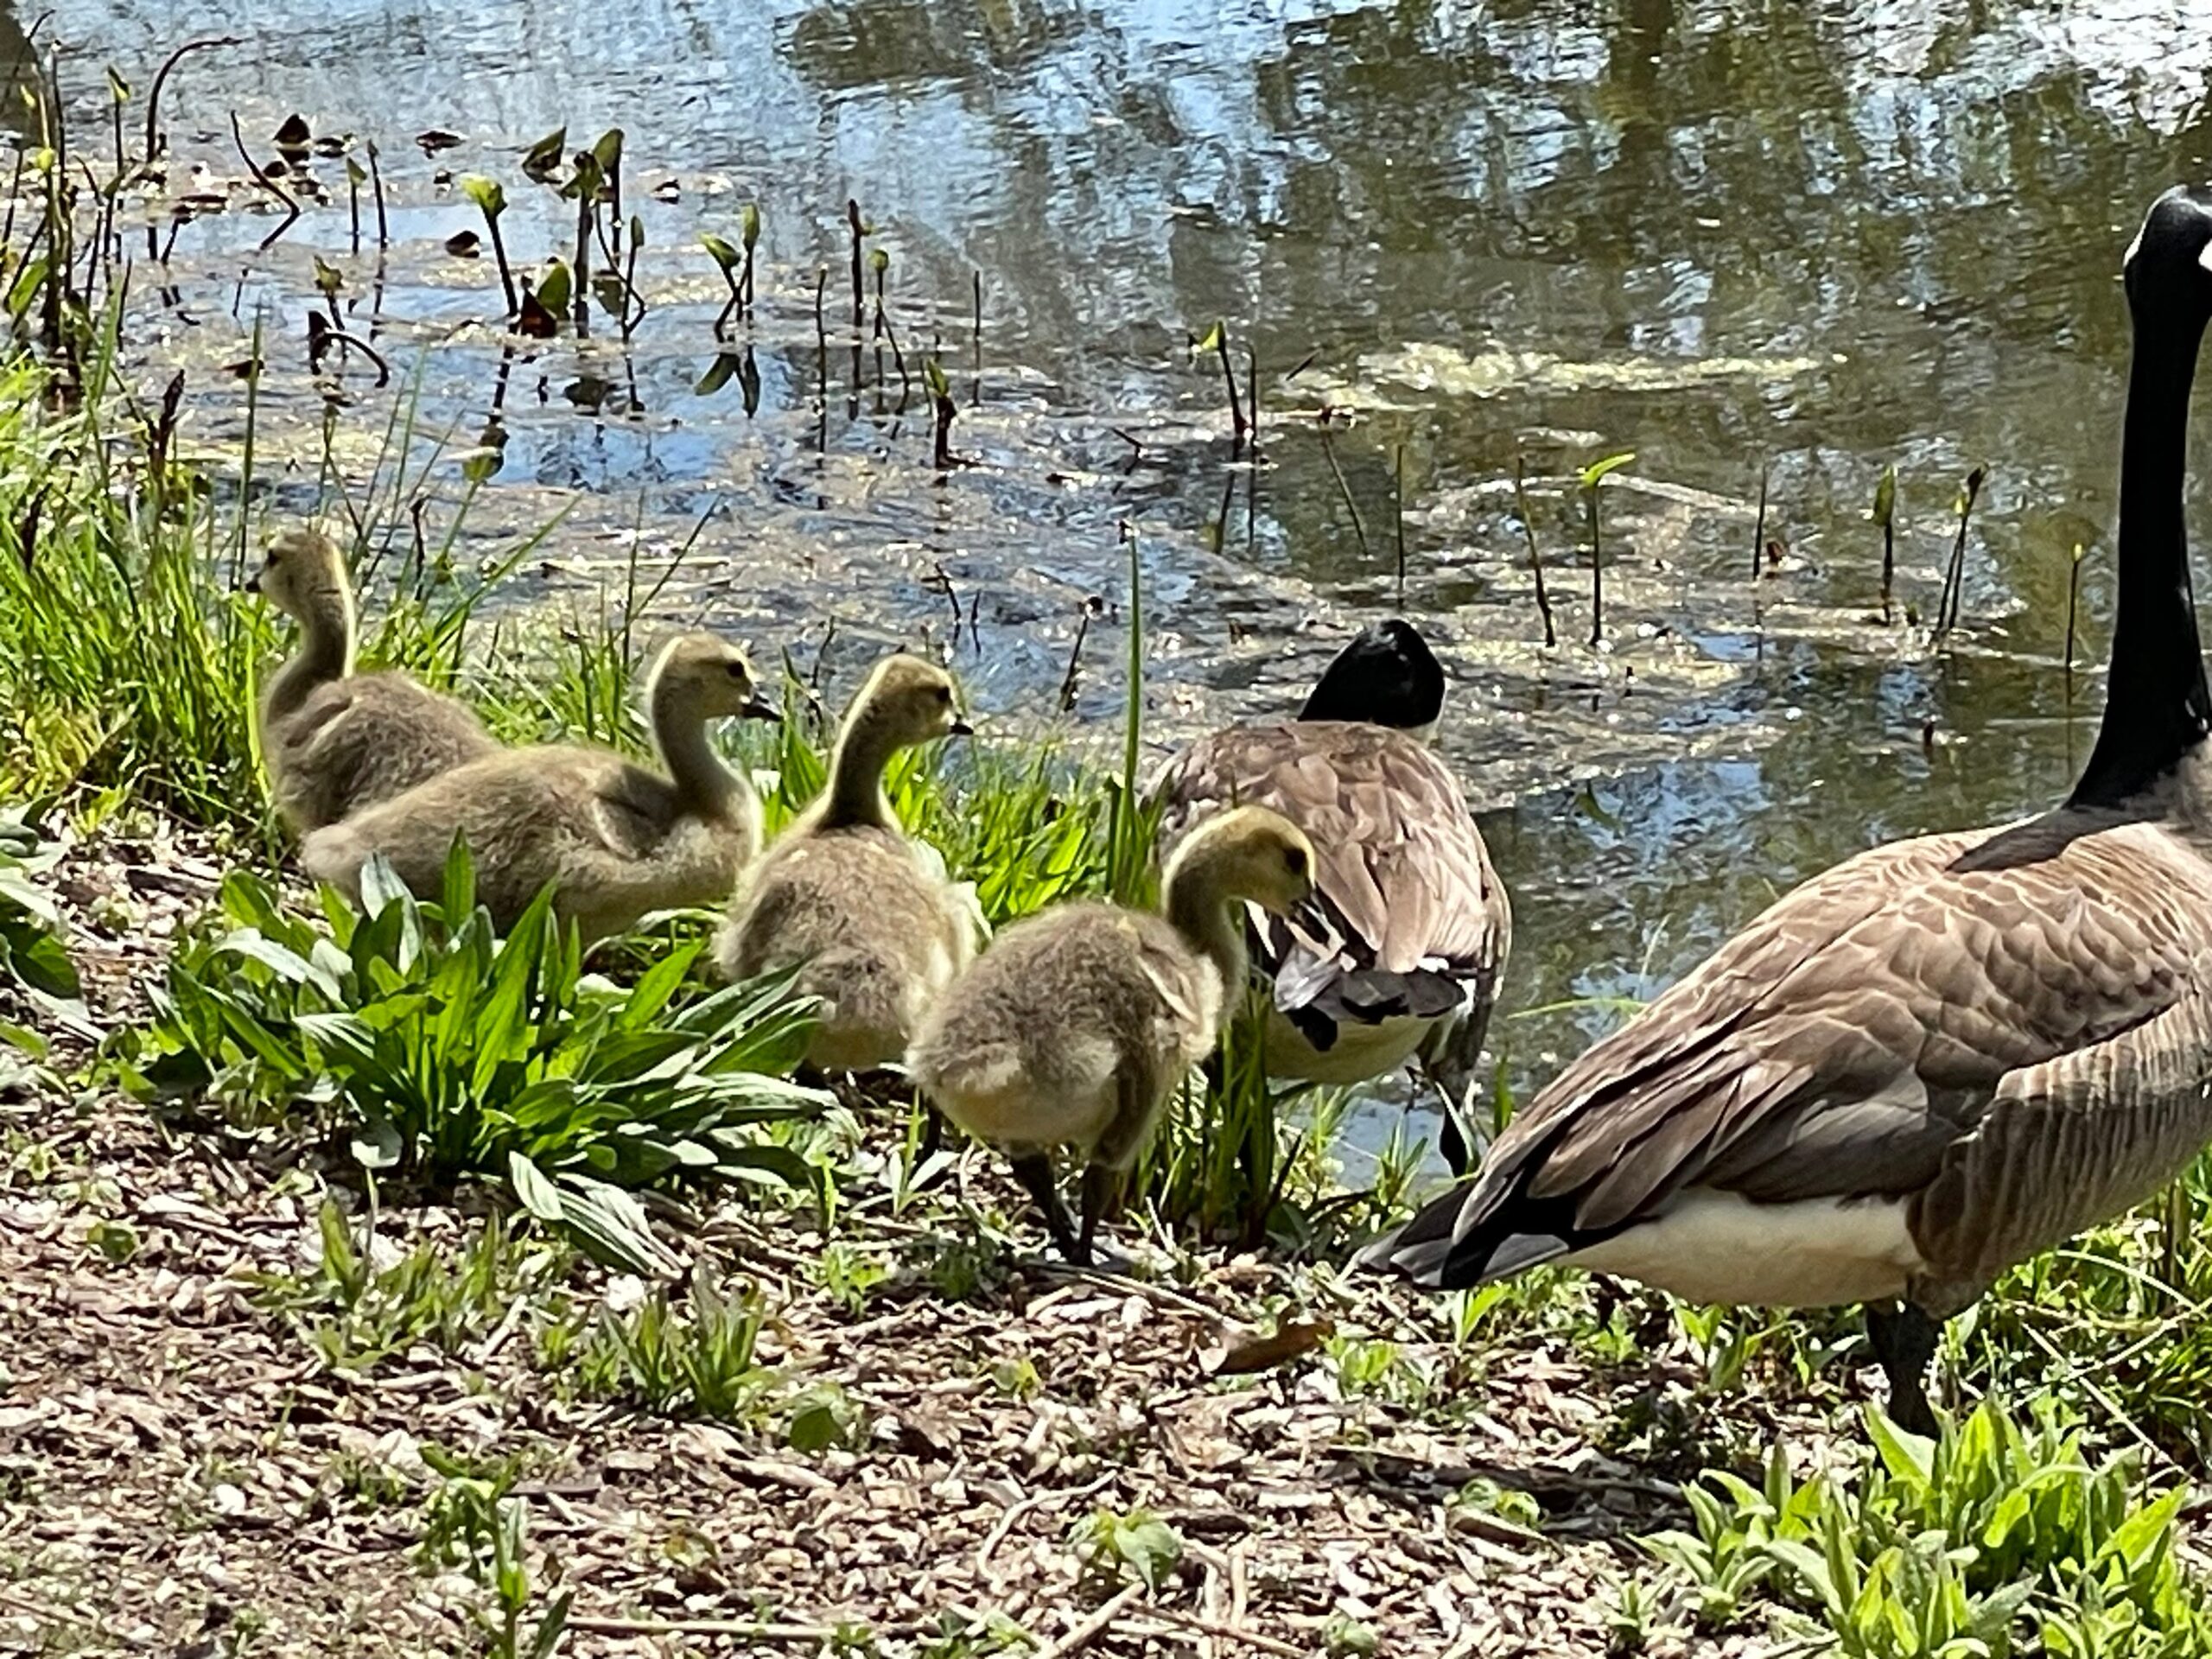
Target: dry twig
<point>1092,1628</point>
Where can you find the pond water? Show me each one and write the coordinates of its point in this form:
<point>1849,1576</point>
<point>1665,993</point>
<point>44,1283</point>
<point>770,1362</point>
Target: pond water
<point>1805,241</point>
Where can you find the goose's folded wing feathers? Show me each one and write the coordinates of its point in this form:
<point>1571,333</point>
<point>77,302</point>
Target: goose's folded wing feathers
<point>1860,1026</point>
<point>1404,882</point>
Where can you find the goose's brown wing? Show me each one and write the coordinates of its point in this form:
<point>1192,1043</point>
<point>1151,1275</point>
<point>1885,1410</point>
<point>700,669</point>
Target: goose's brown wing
<point>1853,1040</point>
<point>1409,915</point>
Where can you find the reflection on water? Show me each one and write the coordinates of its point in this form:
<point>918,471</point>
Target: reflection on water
<point>1737,235</point>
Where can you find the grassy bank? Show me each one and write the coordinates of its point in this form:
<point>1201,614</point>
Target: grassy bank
<point>582,1209</point>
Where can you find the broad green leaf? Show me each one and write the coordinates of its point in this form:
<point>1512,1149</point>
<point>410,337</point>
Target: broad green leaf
<point>610,1224</point>
<point>1594,474</point>
<point>282,960</point>
<point>1808,1565</point>
<point>815,1427</point>
<point>728,258</point>
<point>1908,1457</point>
<point>457,893</point>
<point>543,159</point>
<point>261,1041</point>
<point>42,965</point>
<point>718,374</point>
<point>1149,1545</point>
<point>552,1627</point>
<point>533,1190</point>
<point>755,1163</point>
<point>486,194</point>
<point>381,887</point>
<point>377,1143</point>
<point>556,287</point>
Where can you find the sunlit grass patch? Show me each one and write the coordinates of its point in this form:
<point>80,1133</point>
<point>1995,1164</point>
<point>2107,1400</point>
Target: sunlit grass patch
<point>353,1313</point>
<point>438,1049</point>
<point>2118,1322</point>
<point>2005,1536</point>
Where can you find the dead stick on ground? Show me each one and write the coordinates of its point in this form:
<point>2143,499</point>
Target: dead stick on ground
<point>27,1607</point>
<point>1090,1630</point>
<point>1224,1632</point>
<point>1035,1500</point>
<point>822,1633</point>
<point>1160,1294</point>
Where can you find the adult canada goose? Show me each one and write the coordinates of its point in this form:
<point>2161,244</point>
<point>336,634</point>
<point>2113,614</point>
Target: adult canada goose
<point>1074,1026</point>
<point>865,915</point>
<point>614,839</point>
<point>337,741</point>
<point>1402,948</point>
<point>1942,1055</point>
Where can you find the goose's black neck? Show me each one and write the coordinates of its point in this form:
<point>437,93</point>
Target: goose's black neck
<point>2156,706</point>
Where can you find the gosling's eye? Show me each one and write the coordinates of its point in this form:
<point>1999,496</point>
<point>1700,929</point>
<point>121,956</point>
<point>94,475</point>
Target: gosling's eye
<point>942,694</point>
<point>1294,860</point>
<point>735,670</point>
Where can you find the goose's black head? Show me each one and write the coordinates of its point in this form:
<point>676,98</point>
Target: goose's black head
<point>2168,270</point>
<point>1386,677</point>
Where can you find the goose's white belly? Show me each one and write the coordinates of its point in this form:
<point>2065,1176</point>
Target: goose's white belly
<point>1718,1247</point>
<point>1360,1052</point>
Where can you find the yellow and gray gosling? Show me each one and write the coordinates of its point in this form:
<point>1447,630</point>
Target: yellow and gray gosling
<point>335,741</point>
<point>863,913</point>
<point>1074,1027</point>
<point>614,839</point>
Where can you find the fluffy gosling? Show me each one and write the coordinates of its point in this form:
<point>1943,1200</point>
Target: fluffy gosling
<point>865,915</point>
<point>614,839</point>
<point>1072,1029</point>
<point>337,742</point>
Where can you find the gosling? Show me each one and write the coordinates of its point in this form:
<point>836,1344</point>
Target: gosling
<point>337,742</point>
<point>864,914</point>
<point>1073,1029</point>
<point>612,839</point>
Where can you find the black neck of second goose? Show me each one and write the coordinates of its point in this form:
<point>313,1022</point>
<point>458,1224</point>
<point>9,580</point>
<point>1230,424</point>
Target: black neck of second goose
<point>2156,707</point>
